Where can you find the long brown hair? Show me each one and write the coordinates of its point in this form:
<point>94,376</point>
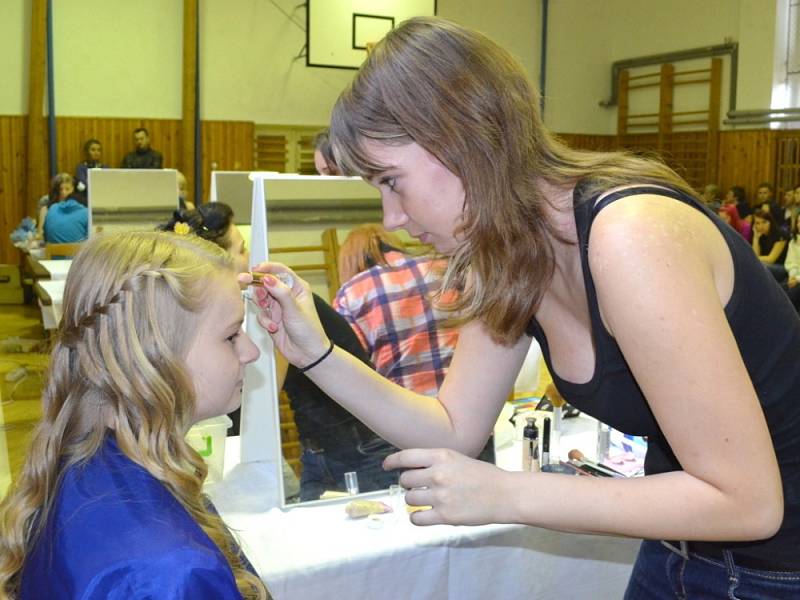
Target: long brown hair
<point>468,102</point>
<point>364,247</point>
<point>130,304</point>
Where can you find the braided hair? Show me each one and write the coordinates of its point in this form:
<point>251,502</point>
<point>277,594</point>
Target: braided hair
<point>211,221</point>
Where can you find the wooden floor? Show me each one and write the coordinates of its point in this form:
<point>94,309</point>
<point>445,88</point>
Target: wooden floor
<point>22,346</point>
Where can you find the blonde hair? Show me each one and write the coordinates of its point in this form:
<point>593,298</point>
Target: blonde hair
<point>363,248</point>
<point>468,102</point>
<point>118,362</point>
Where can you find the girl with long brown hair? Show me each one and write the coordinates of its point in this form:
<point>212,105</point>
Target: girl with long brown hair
<point>109,500</point>
<point>652,314</point>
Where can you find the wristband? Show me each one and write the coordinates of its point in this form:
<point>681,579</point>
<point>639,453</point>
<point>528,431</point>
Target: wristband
<point>319,360</point>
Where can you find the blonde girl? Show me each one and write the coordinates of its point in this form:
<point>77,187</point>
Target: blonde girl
<point>109,503</point>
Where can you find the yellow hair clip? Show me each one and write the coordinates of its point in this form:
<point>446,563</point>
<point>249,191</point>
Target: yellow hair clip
<point>182,229</point>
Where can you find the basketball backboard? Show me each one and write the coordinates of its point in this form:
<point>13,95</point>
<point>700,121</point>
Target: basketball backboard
<point>338,33</point>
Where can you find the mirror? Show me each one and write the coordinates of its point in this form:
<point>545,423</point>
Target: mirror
<point>300,212</point>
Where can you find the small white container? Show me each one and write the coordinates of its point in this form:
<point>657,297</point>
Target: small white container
<point>208,438</point>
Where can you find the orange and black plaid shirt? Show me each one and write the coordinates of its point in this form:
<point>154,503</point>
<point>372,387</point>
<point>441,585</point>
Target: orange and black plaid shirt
<point>392,313</point>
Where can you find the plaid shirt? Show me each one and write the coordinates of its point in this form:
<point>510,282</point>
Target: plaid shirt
<point>391,313</point>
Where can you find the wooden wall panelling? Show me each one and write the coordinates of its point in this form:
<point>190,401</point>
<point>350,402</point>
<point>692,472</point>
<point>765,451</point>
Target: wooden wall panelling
<point>687,153</point>
<point>787,167</point>
<point>227,146</point>
<point>271,152</point>
<point>746,158</point>
<point>13,201</point>
<point>285,148</point>
<point>305,154</point>
<point>116,136</point>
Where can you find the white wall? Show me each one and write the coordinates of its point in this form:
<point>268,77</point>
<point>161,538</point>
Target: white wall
<point>15,31</point>
<point>587,37</point>
<point>515,24</point>
<point>118,59</point>
<point>249,70</point>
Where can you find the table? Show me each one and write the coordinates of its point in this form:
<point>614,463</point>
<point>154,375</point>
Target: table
<point>57,269</point>
<point>51,299</point>
<point>317,552</point>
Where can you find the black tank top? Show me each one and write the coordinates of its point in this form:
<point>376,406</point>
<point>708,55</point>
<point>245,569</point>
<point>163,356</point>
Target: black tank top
<point>767,331</point>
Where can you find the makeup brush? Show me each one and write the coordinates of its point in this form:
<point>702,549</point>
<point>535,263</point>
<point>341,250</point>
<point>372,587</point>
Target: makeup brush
<point>580,460</point>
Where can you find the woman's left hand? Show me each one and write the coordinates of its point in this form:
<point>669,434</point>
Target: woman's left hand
<point>460,490</point>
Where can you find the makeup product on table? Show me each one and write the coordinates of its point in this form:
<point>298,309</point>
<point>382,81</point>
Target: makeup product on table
<point>358,509</point>
<point>351,482</point>
<point>546,442</point>
<point>603,441</point>
<point>530,446</point>
<point>577,458</point>
<point>562,468</point>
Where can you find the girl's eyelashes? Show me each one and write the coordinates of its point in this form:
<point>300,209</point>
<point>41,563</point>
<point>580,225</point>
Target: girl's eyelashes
<point>389,182</point>
<point>232,338</point>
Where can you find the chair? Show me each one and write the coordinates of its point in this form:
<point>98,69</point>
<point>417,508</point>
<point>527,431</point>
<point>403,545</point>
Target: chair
<point>329,248</point>
<point>61,250</point>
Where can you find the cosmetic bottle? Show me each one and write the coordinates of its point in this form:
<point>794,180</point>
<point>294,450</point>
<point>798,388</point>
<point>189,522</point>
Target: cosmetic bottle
<point>555,434</point>
<point>603,441</point>
<point>530,446</point>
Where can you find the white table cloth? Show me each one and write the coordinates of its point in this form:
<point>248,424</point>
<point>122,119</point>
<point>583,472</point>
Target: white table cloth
<point>51,313</point>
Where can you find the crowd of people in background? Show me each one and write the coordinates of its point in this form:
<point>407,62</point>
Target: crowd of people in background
<point>769,224</point>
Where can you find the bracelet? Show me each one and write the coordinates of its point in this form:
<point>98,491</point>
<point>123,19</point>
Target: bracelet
<point>319,360</point>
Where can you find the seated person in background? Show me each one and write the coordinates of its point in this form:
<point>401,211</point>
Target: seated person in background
<point>109,502</point>
<point>791,207</point>
<point>54,193</point>
<point>333,441</point>
<point>387,298</point>
<point>765,200</point>
<point>730,215</point>
<point>144,157</point>
<point>711,197</point>
<point>92,159</point>
<point>65,218</point>
<point>323,154</point>
<point>769,243</point>
<point>183,190</point>
<point>735,197</point>
<point>792,266</point>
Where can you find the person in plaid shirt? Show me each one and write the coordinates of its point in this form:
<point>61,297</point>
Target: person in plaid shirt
<point>391,310</point>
